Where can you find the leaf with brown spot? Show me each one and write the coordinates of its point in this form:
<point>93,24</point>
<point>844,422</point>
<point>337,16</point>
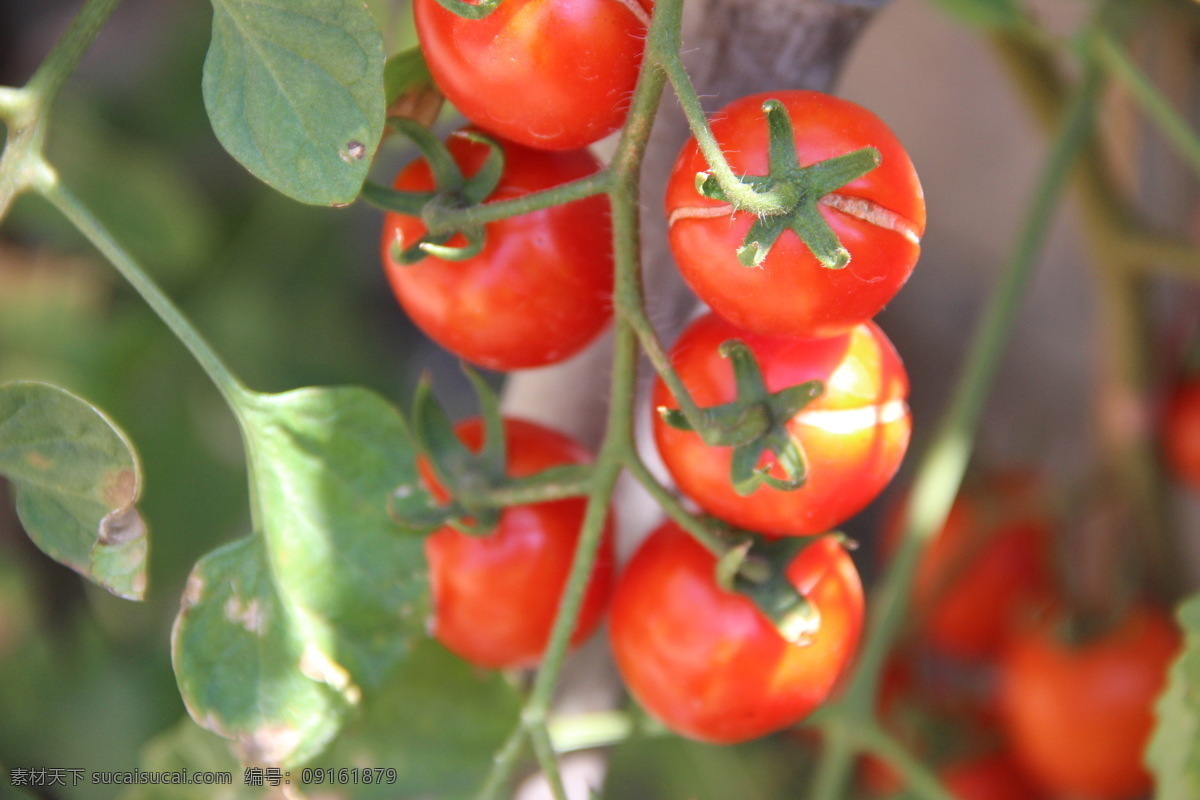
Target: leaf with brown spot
<point>237,654</point>
<point>77,480</point>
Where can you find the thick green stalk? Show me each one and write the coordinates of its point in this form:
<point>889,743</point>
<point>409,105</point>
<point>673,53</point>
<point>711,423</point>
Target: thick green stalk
<point>625,169</point>
<point>944,463</point>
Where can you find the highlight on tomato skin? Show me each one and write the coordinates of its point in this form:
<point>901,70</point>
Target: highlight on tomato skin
<point>854,436</point>
<point>879,219</point>
<point>706,662</point>
<point>989,563</point>
<point>541,289</point>
<point>548,74</point>
<point>495,597</point>
<point>1079,716</point>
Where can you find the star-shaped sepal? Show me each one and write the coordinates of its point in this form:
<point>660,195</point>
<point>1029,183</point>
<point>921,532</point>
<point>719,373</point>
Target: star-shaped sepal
<point>757,568</point>
<point>453,190</point>
<point>798,190</point>
<point>753,424</point>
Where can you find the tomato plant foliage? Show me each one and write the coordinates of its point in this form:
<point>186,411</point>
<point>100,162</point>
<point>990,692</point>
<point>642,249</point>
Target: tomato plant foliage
<point>389,563</point>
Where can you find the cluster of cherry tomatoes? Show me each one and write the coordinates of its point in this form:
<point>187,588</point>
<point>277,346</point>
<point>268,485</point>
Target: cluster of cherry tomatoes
<point>823,379</point>
<point>998,684</point>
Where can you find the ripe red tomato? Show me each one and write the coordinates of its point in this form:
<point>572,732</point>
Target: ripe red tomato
<point>854,435</point>
<point>495,597</point>
<point>1079,717</point>
<point>541,288</point>
<point>1181,432</point>
<point>706,662</point>
<point>990,560</point>
<point>879,219</point>
<point>994,776</point>
<point>550,74</point>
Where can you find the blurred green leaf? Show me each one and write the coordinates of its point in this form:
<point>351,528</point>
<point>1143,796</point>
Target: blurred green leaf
<point>187,746</point>
<point>295,93</point>
<point>668,766</point>
<point>243,667</point>
<point>986,14</point>
<point>1174,751</point>
<point>437,722</point>
<point>77,480</point>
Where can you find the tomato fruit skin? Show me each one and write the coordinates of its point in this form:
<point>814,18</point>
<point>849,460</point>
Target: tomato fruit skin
<point>549,74</point>
<point>495,597</point>
<point>1181,432</point>
<point>1079,718</point>
<point>791,294</point>
<point>990,561</point>
<point>990,776</point>
<point>994,776</point>
<point>540,290</point>
<point>854,436</point>
<point>706,662</point>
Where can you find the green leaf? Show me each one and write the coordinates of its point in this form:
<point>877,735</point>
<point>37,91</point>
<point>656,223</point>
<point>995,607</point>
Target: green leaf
<point>325,463</point>
<point>188,747</point>
<point>1174,751</point>
<point>77,479</point>
<point>244,667</point>
<point>294,91</point>
<point>986,14</point>
<point>437,722</point>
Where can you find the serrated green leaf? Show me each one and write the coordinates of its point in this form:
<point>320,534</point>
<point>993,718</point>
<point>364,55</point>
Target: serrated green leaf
<point>986,14</point>
<point>243,665</point>
<point>325,463</point>
<point>77,479</point>
<point>1173,754</point>
<point>294,91</point>
<point>437,722</point>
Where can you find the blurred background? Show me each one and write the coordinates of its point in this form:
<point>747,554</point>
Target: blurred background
<point>294,296</point>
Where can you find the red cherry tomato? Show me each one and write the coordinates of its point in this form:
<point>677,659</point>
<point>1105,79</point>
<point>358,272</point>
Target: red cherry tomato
<point>854,435</point>
<point>879,219</point>
<point>989,777</point>
<point>1079,717</point>
<point>993,776</point>
<point>990,560</point>
<point>1181,432</point>
<point>495,597</point>
<point>550,74</point>
<point>706,662</point>
<point>541,288</point>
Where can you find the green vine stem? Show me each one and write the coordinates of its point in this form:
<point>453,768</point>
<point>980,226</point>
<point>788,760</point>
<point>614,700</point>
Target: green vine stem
<point>1123,252</point>
<point>235,394</point>
<point>880,744</point>
<point>662,48</point>
<point>27,110</point>
<point>941,469</point>
<point>694,525</point>
<point>1119,66</point>
<point>543,748</point>
<point>439,219</point>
